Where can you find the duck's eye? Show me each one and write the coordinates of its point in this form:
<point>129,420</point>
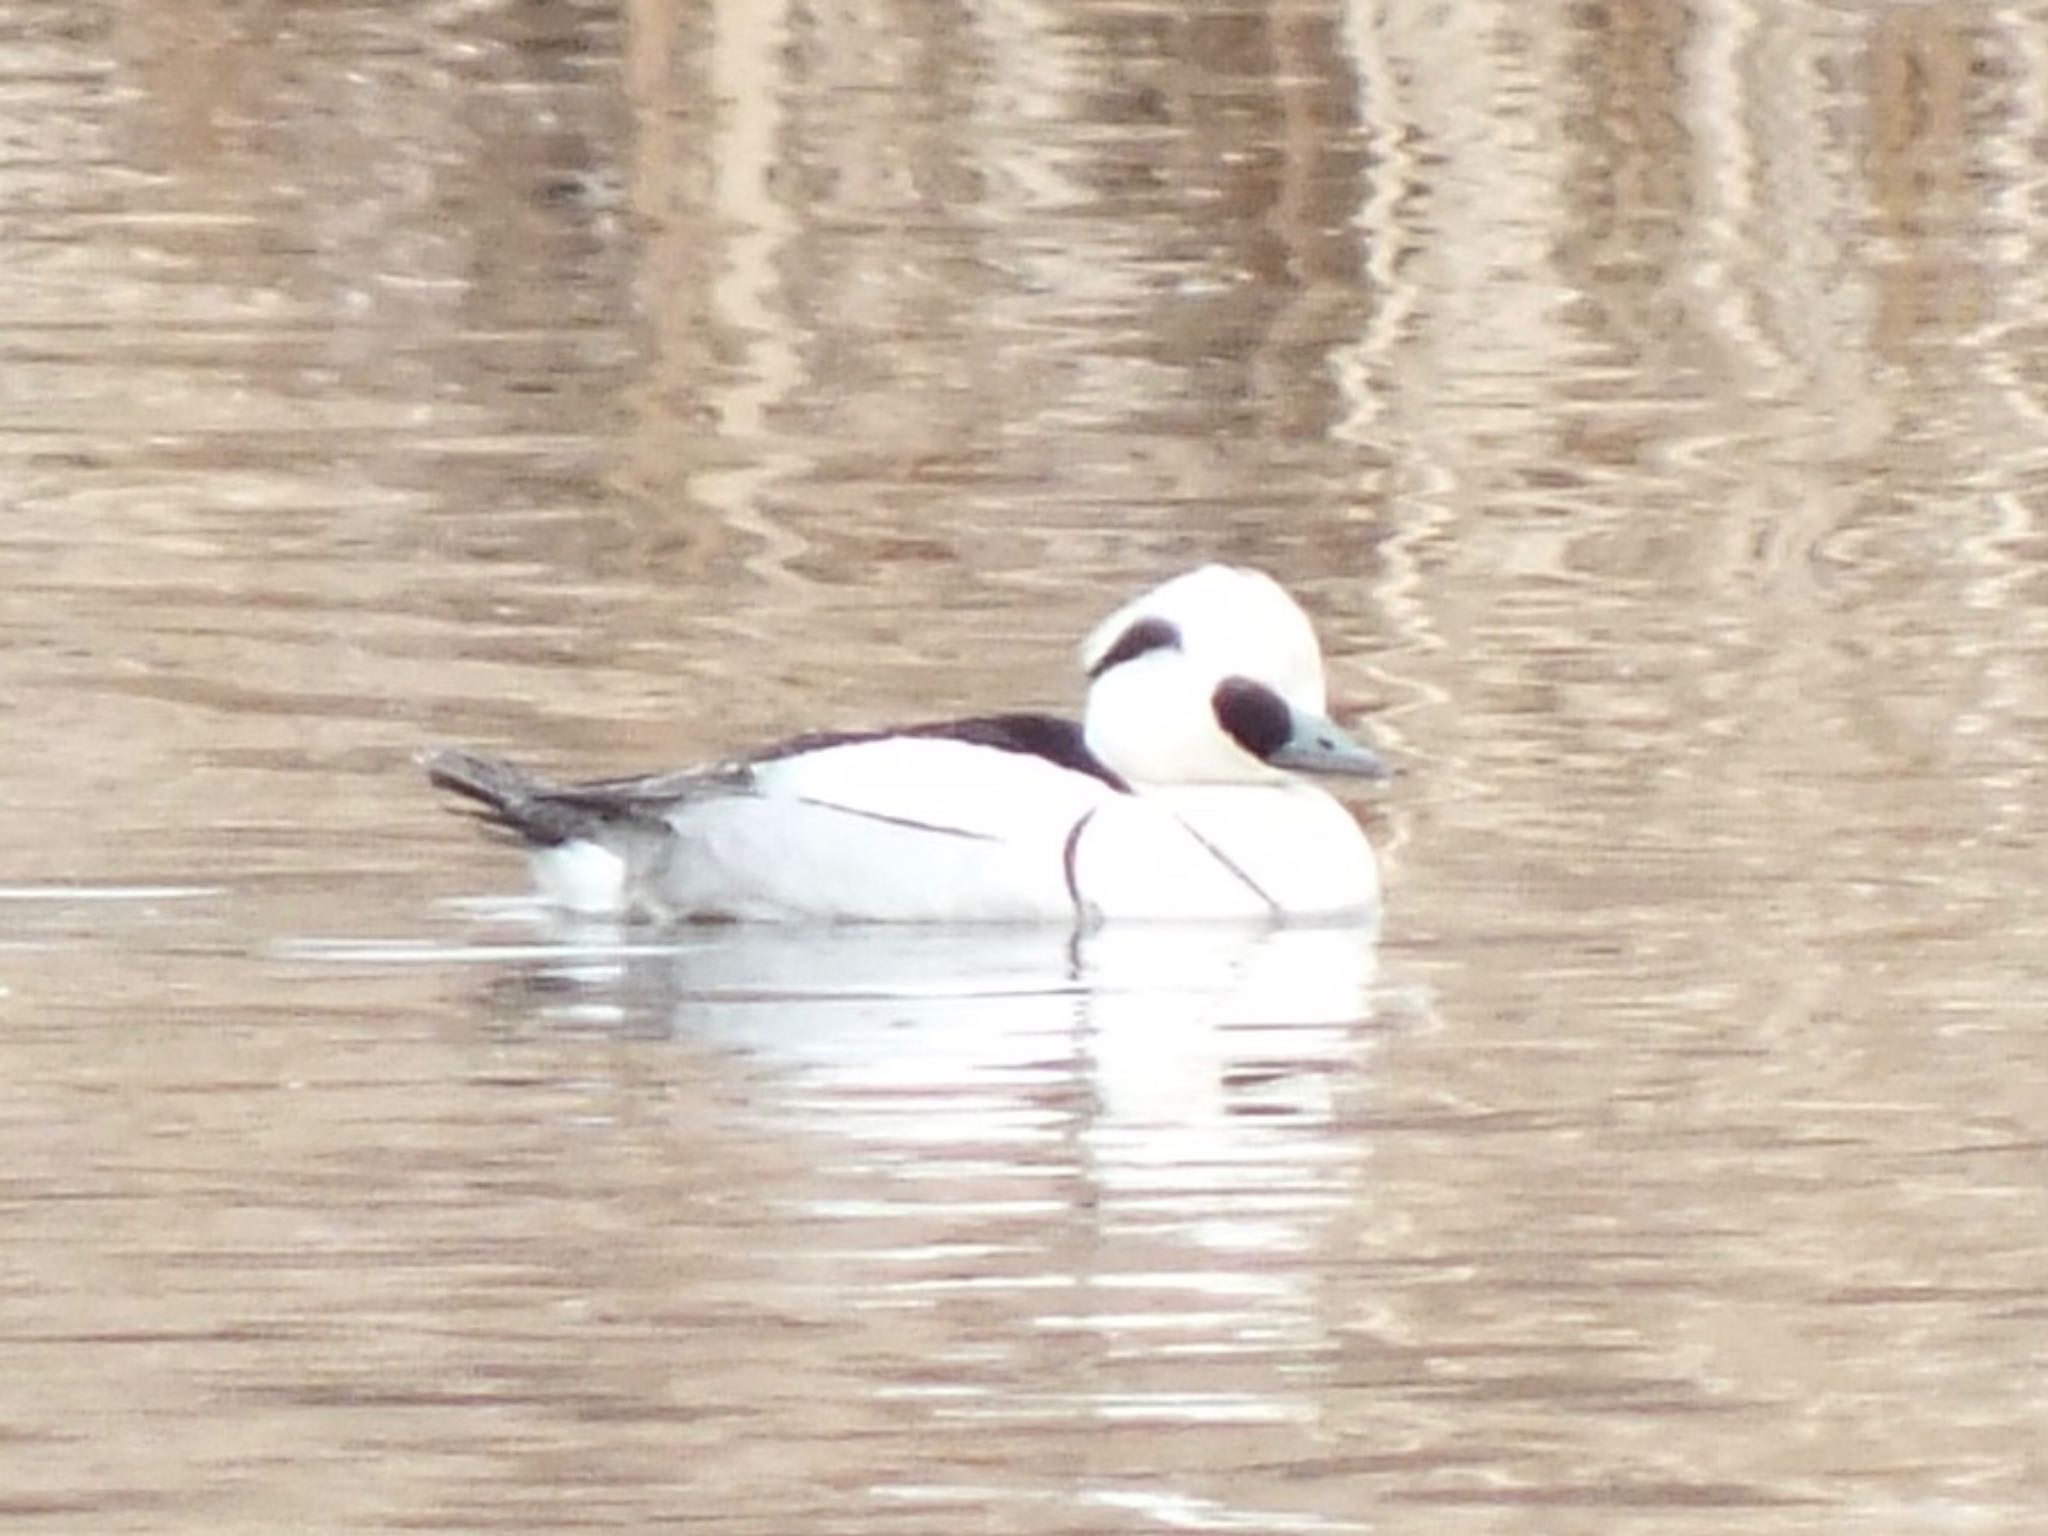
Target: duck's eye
<point>1145,635</point>
<point>1253,716</point>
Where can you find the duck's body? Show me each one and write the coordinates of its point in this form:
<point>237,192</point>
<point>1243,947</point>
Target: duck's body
<point>1174,800</point>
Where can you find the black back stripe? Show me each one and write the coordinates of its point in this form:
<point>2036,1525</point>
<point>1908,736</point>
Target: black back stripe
<point>1059,741</point>
<point>909,822</point>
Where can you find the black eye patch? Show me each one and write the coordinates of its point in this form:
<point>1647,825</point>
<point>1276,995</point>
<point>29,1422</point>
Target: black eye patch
<point>1145,635</point>
<point>1253,716</point>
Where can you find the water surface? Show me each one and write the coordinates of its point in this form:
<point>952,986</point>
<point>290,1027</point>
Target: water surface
<point>1646,401</point>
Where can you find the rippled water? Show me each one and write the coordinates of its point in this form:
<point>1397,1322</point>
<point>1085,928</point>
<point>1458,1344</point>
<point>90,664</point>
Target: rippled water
<point>1648,401</point>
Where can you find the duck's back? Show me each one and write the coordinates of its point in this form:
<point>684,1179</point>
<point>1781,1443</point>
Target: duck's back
<point>901,828</point>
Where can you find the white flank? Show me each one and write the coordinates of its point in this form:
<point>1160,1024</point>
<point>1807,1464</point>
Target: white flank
<point>581,877</point>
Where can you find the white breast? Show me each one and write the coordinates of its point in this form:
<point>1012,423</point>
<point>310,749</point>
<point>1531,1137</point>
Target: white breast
<point>1282,851</point>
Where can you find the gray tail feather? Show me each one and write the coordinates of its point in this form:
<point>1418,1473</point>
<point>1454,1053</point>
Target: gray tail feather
<point>508,797</point>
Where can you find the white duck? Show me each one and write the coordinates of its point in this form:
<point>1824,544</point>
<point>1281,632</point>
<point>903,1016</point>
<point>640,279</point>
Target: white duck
<point>1176,800</point>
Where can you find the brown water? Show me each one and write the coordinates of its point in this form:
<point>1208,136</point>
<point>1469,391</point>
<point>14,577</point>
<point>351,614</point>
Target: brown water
<point>1650,403</point>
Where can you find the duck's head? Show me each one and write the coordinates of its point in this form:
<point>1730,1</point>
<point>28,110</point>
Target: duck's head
<point>1214,678</point>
